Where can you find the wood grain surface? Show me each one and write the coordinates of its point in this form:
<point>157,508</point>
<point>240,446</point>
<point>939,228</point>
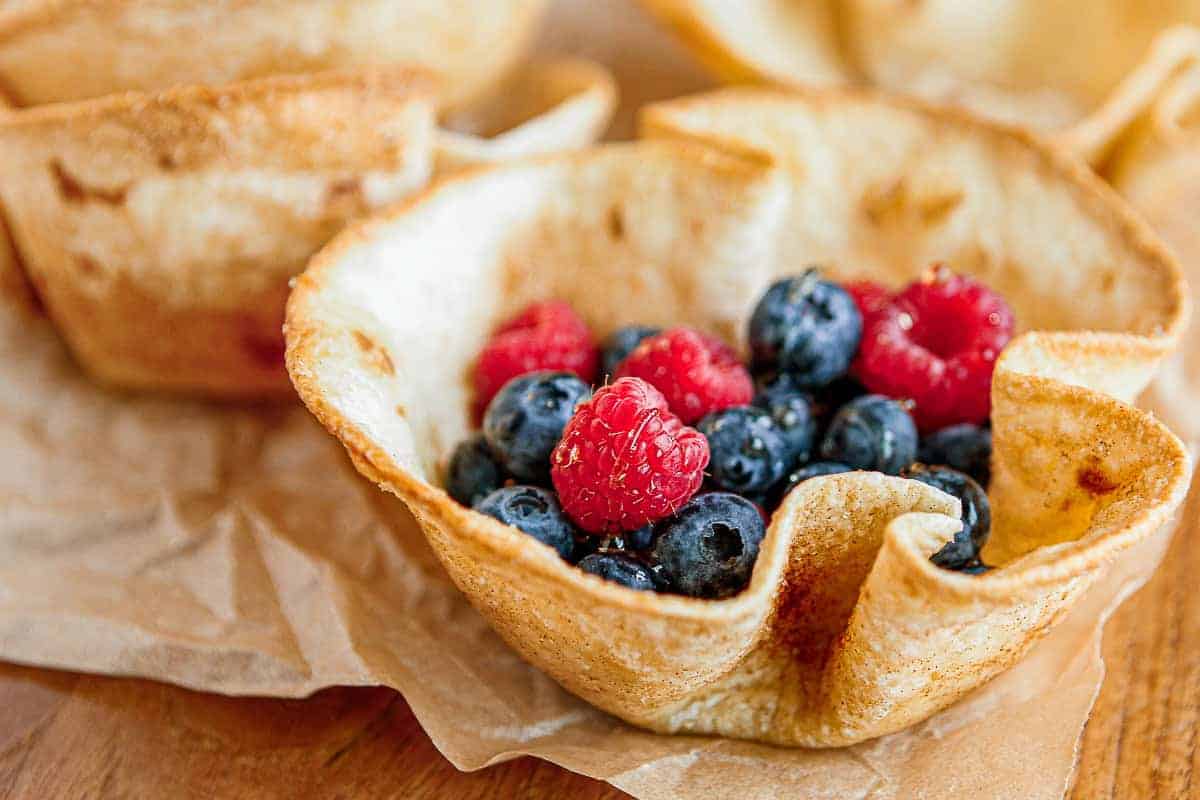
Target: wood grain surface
<point>64,735</point>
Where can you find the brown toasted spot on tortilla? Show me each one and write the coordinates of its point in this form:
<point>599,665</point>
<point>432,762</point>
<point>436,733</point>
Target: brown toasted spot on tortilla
<point>73,191</point>
<point>87,265</point>
<point>345,190</point>
<point>897,200</point>
<point>936,206</point>
<point>376,356</point>
<point>616,223</point>
<point>401,410</point>
<point>364,342</point>
<point>1094,481</point>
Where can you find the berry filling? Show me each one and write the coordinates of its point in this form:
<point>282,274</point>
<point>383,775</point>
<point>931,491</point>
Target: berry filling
<point>613,480</point>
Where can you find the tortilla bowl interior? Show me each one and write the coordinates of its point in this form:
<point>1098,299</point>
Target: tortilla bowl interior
<point>846,631</point>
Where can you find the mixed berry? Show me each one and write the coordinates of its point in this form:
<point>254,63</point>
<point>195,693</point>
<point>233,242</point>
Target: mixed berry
<point>663,478</point>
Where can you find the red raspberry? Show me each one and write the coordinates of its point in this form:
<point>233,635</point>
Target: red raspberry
<point>870,297</point>
<point>546,335</point>
<point>696,373</point>
<point>625,460</point>
<point>937,344</point>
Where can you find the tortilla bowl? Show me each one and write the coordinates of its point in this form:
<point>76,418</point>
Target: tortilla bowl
<point>846,631</point>
<point>1046,65</point>
<point>150,45</point>
<point>1157,168</point>
<point>160,231</point>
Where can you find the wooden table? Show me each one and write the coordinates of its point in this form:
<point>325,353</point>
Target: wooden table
<point>73,736</point>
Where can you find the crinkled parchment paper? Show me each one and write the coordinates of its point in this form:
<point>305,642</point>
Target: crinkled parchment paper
<point>234,550</point>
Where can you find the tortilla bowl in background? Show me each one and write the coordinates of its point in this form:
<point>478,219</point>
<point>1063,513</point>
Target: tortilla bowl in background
<point>1146,142</point>
<point>150,45</point>
<point>1045,65</point>
<point>846,631</point>
<point>160,231</point>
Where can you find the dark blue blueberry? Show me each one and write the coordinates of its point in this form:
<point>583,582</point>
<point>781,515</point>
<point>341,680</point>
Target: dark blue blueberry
<point>620,343</point>
<point>793,415</point>
<point>525,420</point>
<point>625,541</point>
<point>619,568</point>
<point>748,452</point>
<point>535,511</point>
<point>808,327</point>
<point>966,448</point>
<point>473,472</point>
<point>871,432</point>
<point>709,547</point>
<point>799,475</point>
<point>827,401</point>
<point>962,551</point>
<point>641,539</point>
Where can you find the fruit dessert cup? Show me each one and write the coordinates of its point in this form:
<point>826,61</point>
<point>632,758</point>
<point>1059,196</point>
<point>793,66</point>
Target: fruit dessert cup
<point>846,629</point>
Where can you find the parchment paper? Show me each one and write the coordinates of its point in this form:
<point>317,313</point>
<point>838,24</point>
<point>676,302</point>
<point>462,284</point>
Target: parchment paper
<point>234,550</point>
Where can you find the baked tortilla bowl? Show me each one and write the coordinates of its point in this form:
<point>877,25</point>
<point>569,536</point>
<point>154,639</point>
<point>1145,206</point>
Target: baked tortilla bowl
<point>160,230</point>
<point>1045,65</point>
<point>846,631</point>
<point>149,45</point>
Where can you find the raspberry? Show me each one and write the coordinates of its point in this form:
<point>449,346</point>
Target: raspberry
<point>545,336</point>
<point>625,460</point>
<point>697,374</point>
<point>937,344</point>
<point>870,297</point>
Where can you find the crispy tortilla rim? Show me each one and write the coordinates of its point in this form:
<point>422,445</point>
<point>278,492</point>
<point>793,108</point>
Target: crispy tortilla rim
<point>160,230</point>
<point>846,631</point>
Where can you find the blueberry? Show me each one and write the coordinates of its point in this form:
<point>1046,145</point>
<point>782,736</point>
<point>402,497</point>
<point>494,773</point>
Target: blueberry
<point>793,415</point>
<point>640,539</point>
<point>748,451</point>
<point>535,511</point>
<point>808,327</point>
<point>966,448</point>
<point>963,551</point>
<point>976,568</point>
<point>827,401</point>
<point>709,547</point>
<point>526,418</point>
<point>473,472</point>
<point>871,432</point>
<point>619,568</point>
<point>620,343</point>
<point>625,541</point>
<point>801,474</point>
